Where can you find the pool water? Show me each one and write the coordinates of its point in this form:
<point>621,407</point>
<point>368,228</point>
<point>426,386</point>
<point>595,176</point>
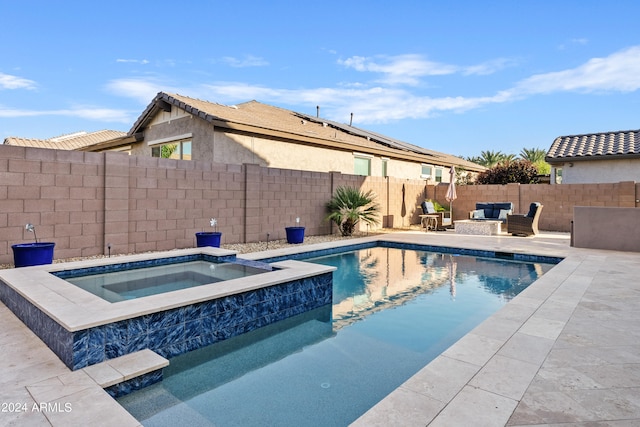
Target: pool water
<point>393,312</point>
<point>115,286</point>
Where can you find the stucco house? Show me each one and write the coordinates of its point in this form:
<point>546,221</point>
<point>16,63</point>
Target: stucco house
<point>181,127</point>
<point>606,157</point>
<point>72,141</point>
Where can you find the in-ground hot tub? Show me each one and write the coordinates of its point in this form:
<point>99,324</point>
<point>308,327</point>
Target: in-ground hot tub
<point>121,282</point>
<point>84,329</point>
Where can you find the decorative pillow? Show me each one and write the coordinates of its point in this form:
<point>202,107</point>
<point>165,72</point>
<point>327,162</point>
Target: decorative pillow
<point>478,214</point>
<point>504,213</point>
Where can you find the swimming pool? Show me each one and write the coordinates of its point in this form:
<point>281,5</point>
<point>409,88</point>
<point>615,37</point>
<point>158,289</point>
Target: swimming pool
<point>393,311</point>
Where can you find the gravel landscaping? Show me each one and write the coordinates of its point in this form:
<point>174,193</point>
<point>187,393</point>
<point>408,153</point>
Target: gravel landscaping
<point>243,248</point>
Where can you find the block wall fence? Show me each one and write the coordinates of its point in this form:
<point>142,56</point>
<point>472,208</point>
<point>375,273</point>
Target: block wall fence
<point>86,202</point>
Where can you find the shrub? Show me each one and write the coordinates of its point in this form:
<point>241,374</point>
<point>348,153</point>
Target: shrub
<point>518,171</point>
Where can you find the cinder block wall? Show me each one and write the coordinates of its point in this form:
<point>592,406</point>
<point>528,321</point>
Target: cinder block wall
<point>85,202</point>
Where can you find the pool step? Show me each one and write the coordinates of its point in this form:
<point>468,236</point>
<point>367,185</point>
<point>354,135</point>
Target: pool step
<point>128,372</point>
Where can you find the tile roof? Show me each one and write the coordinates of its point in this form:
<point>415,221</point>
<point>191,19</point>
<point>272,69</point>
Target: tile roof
<point>73,141</point>
<point>595,146</point>
<point>270,118</point>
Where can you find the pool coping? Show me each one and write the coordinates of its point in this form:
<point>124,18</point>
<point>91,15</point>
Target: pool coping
<point>479,380</point>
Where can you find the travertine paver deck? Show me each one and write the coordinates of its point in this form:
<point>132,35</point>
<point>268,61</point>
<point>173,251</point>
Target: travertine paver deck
<point>37,389</point>
<point>566,350</point>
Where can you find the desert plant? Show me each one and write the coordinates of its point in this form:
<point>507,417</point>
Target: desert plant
<point>348,206</point>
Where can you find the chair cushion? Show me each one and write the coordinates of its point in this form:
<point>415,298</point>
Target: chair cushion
<point>428,208</point>
<point>478,214</point>
<point>503,213</point>
<point>503,205</point>
<point>533,208</point>
<point>492,210</point>
<point>487,208</point>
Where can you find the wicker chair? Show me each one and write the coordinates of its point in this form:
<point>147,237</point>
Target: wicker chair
<point>525,225</point>
<point>429,210</point>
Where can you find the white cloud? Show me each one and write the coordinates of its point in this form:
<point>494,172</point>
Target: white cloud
<point>408,69</point>
<point>370,105</point>
<point>489,67</point>
<point>401,69</point>
<point>7,81</point>
<point>133,61</point>
<point>100,114</point>
<point>91,113</point>
<point>385,101</point>
<point>222,91</point>
<point>576,41</point>
<point>247,61</point>
<point>618,72</point>
<point>140,89</point>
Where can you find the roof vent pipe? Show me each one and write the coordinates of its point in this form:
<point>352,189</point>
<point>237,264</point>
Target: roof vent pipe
<point>351,121</point>
<point>317,111</point>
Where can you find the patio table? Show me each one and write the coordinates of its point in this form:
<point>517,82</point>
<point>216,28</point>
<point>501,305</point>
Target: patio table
<point>429,221</point>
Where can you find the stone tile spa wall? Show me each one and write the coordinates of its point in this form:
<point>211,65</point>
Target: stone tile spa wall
<point>176,331</point>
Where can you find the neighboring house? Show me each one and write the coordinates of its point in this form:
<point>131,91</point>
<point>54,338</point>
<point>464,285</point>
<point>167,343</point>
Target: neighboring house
<point>595,158</point>
<point>73,141</point>
<point>180,127</point>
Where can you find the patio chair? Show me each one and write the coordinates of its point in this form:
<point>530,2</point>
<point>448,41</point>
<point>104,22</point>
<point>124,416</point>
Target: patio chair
<point>525,225</point>
<point>429,211</point>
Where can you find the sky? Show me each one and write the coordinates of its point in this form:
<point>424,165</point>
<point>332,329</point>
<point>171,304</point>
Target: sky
<point>460,77</point>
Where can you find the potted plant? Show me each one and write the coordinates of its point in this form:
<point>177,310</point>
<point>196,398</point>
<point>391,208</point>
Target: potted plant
<point>209,238</point>
<point>37,253</point>
<point>295,234</point>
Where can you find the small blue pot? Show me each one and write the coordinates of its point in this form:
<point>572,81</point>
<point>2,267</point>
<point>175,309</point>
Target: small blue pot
<point>28,254</point>
<point>295,235</point>
<point>208,238</point>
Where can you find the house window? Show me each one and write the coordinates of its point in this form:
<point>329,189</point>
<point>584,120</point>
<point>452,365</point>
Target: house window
<point>558,175</point>
<point>362,165</point>
<point>385,162</point>
<point>438,174</point>
<point>173,150</point>
<point>426,171</point>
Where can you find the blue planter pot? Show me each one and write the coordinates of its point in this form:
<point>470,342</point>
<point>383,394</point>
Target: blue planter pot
<point>28,254</point>
<point>208,238</point>
<point>295,235</point>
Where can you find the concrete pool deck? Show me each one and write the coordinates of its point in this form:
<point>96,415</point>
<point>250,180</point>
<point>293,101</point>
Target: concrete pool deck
<point>565,351</point>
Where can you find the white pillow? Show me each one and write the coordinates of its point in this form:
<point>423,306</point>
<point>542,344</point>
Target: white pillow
<point>504,213</point>
<point>478,214</point>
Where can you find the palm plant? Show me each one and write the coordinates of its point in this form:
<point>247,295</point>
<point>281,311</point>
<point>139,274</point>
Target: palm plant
<point>506,158</point>
<point>490,158</point>
<point>536,156</point>
<point>349,206</point>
